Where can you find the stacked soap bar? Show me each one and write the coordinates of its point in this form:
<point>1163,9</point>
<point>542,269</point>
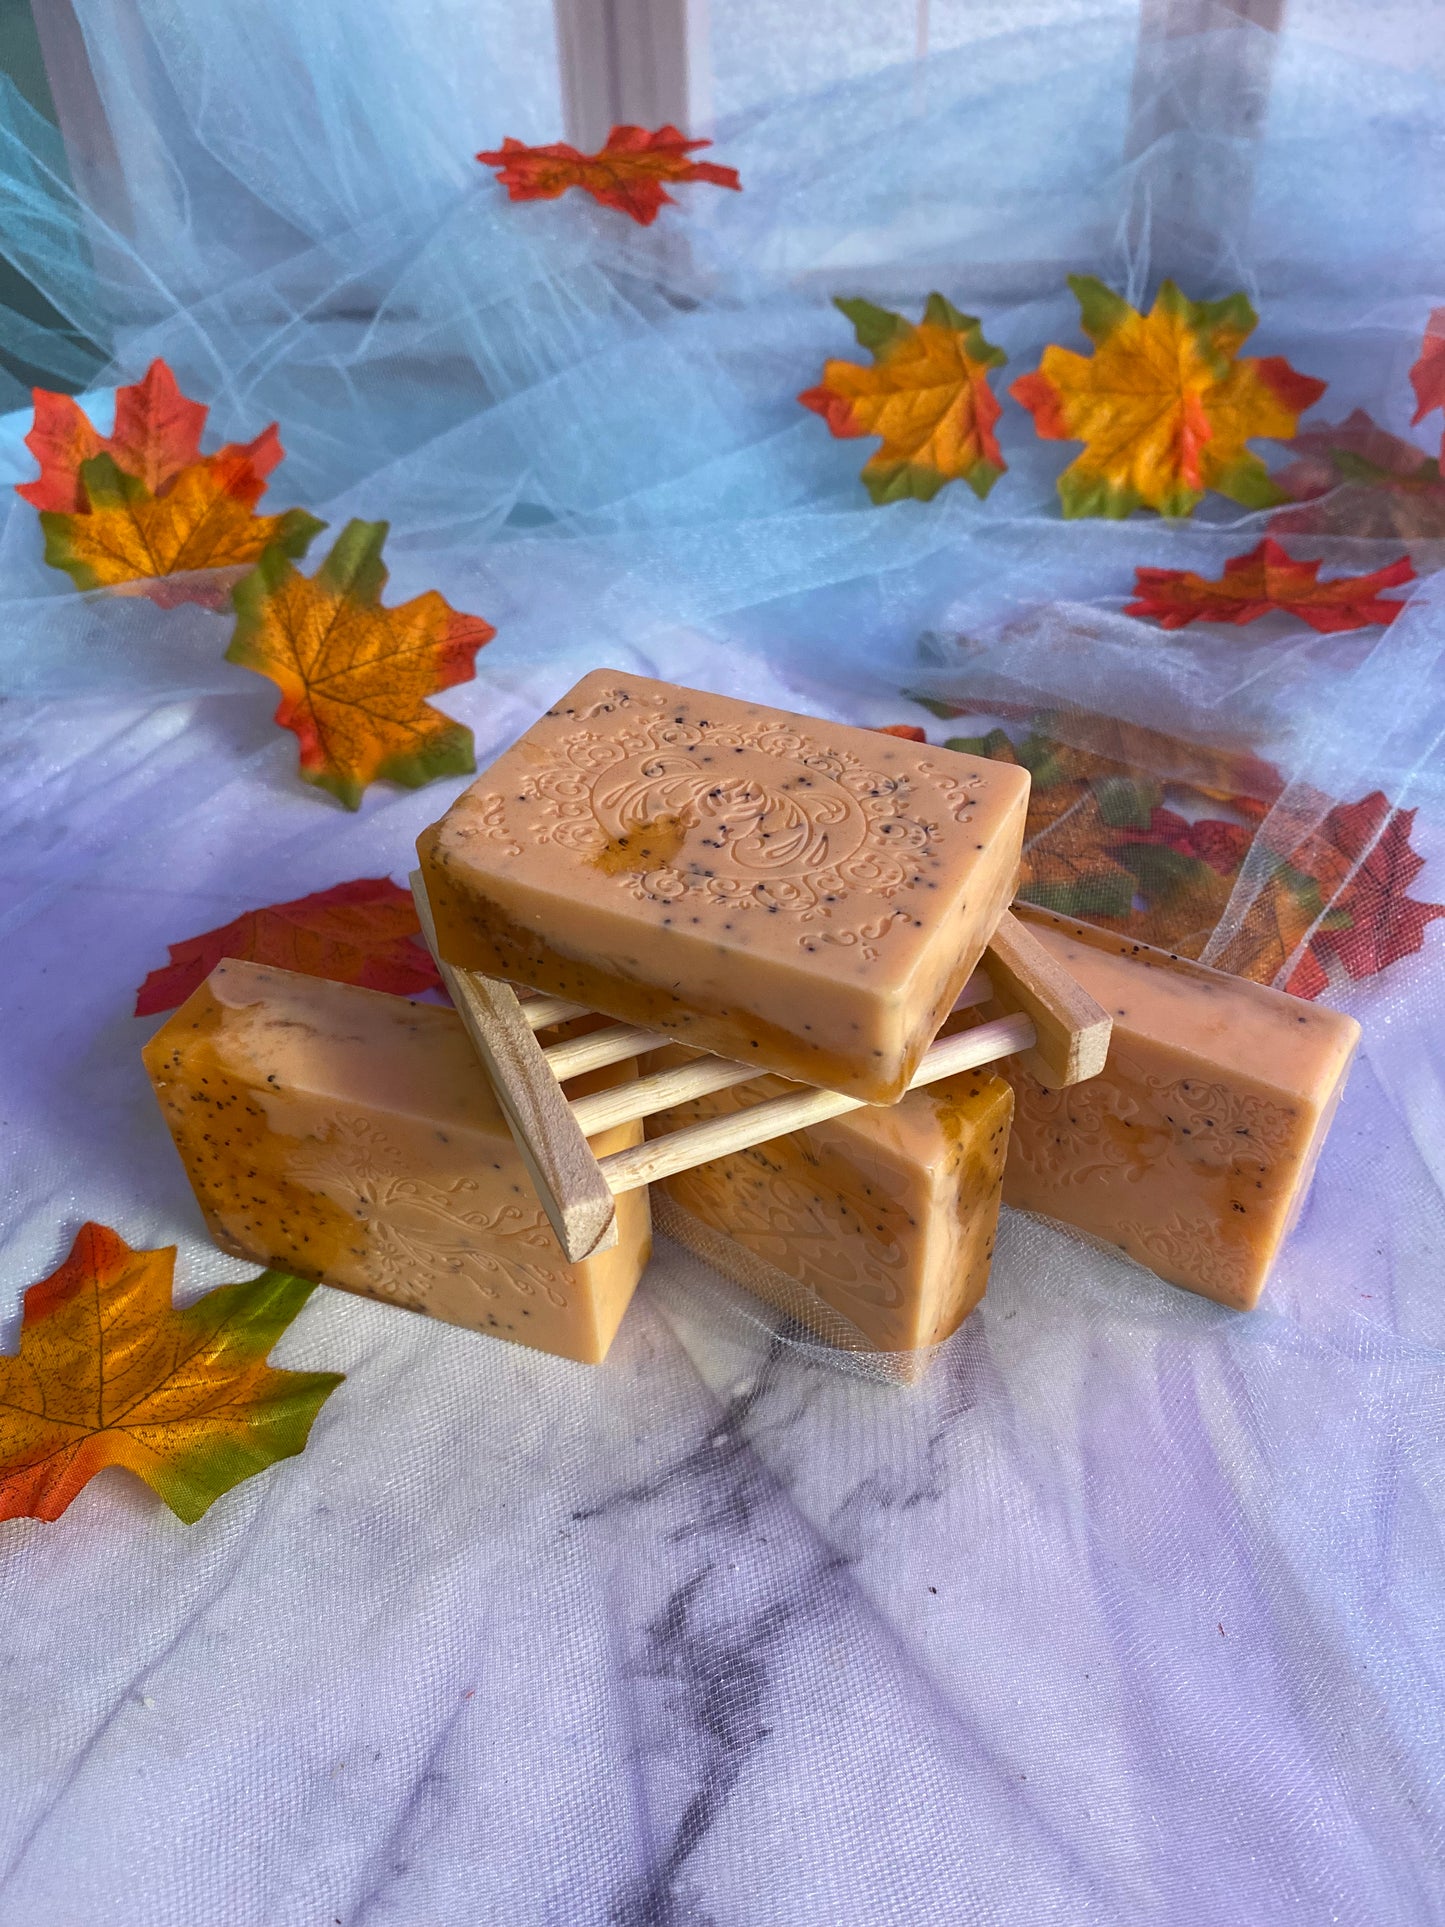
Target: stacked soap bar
<point>771,888</point>
<point>352,1137</point>
<point>875,1228</point>
<point>1193,1150</point>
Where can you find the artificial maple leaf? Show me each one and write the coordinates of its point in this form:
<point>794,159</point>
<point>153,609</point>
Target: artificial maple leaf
<point>910,732</point>
<point>1373,922</point>
<point>631,173</point>
<point>157,433</point>
<point>1265,580</point>
<point>927,394</point>
<point>1070,867</point>
<point>1164,407</point>
<point>1355,478</point>
<point>1099,842</point>
<point>1274,925</point>
<point>111,1372</point>
<point>1220,844</point>
<point>1185,872</point>
<point>353,676</point>
<point>143,504</point>
<point>1427,377</point>
<point>364,933</point>
<point>1104,746</point>
<point>203,522</point>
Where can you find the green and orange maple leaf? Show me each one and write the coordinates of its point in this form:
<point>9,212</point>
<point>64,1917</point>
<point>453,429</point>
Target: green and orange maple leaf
<point>1108,840</point>
<point>111,1372</point>
<point>927,395</point>
<point>631,172</point>
<point>143,506</point>
<point>1266,580</point>
<point>1356,478</point>
<point>354,676</point>
<point>365,932</point>
<point>1165,406</point>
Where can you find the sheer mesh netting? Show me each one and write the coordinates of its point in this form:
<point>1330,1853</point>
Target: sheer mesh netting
<point>1129,1610</point>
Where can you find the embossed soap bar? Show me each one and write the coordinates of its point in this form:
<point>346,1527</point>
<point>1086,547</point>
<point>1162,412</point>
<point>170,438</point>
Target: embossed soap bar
<point>1194,1148</point>
<point>787,892</point>
<point>875,1228</point>
<point>353,1138</point>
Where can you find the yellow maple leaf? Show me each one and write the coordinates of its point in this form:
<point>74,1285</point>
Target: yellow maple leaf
<point>353,676</point>
<point>204,520</point>
<point>111,1372</point>
<point>1164,408</point>
<point>927,394</point>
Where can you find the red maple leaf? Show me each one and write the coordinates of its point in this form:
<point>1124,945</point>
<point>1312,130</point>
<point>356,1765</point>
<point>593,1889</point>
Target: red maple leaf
<point>910,732</point>
<point>1212,840</point>
<point>1308,978</point>
<point>631,173</point>
<point>1383,923</point>
<point>364,933</point>
<point>1268,579</point>
<point>157,434</point>
<point>1427,377</point>
<point>1356,478</point>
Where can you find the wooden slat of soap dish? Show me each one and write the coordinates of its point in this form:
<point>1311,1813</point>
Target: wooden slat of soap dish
<point>1062,1031</point>
<point>573,1192</point>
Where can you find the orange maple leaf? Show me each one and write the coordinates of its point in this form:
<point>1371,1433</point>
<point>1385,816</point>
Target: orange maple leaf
<point>927,394</point>
<point>1164,407</point>
<point>630,173</point>
<point>202,524</point>
<point>157,433</point>
<point>364,933</point>
<point>1356,478</point>
<point>353,676</point>
<point>1101,843</point>
<point>143,504</point>
<point>111,1372</point>
<point>1269,579</point>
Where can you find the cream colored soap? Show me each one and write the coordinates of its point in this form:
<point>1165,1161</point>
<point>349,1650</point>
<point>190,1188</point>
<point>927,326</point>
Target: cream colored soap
<point>875,1228</point>
<point>353,1138</point>
<point>792,893</point>
<point>1193,1150</point>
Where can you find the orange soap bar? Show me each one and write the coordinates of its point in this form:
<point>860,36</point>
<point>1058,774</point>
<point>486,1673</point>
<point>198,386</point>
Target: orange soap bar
<point>792,893</point>
<point>353,1138</point>
<point>875,1228</point>
<point>1193,1150</point>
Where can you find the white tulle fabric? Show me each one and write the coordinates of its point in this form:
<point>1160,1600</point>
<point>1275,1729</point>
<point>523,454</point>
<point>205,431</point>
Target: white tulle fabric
<point>1132,1611</point>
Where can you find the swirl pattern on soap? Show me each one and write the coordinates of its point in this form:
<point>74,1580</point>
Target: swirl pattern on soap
<point>419,1234</point>
<point>1119,1125</point>
<point>801,836</point>
<point>842,1243</point>
<point>1195,1248</point>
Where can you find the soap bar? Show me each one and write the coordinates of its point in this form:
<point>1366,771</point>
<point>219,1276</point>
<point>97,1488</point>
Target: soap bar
<point>353,1138</point>
<point>1194,1148</point>
<point>796,894</point>
<point>885,1218</point>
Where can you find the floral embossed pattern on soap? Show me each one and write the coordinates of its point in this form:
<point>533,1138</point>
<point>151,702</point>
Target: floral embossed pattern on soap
<point>353,1138</point>
<point>793,893</point>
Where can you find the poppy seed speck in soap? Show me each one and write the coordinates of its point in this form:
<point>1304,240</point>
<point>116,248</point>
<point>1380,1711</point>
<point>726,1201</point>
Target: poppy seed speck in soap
<point>797,894</point>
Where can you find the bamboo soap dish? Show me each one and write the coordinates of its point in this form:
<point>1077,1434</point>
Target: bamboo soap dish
<point>1060,1033</point>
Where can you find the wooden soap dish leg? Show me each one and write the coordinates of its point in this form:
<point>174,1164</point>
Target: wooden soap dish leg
<point>573,1192</point>
<point>1060,1032</point>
